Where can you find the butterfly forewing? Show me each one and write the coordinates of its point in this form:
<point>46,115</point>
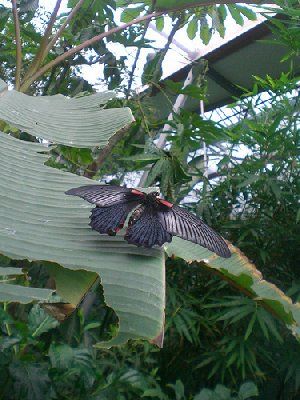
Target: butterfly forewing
<point>106,195</point>
<point>179,222</point>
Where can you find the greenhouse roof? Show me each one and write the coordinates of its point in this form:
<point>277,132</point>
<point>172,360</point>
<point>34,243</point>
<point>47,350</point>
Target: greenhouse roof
<point>230,67</point>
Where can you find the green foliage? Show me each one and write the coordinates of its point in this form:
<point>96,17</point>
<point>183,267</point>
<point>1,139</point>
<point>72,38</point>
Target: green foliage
<point>263,185</point>
<point>40,322</point>
<point>237,309</point>
<point>202,21</point>
<point>64,359</point>
<point>30,381</point>
<point>247,389</point>
<point>218,342</point>
<point>286,29</point>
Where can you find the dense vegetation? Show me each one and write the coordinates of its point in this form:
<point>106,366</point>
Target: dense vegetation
<point>220,343</point>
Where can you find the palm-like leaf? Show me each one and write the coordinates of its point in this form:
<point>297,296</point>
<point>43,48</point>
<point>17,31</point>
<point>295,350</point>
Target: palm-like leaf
<point>78,122</point>
<point>39,222</point>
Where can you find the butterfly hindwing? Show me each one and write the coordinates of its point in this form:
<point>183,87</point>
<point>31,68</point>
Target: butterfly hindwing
<point>107,195</point>
<point>179,222</point>
<point>113,204</point>
<point>145,229</point>
<point>110,219</point>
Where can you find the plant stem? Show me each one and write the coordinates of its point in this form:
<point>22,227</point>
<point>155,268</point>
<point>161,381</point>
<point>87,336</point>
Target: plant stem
<point>18,44</point>
<point>62,28</point>
<point>130,80</point>
<point>92,168</point>
<point>42,52</point>
<point>52,20</point>
<point>8,330</point>
<point>137,56</point>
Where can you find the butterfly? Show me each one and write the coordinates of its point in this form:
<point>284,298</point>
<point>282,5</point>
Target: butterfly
<point>153,222</point>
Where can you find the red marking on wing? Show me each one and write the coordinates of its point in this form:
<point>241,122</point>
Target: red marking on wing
<point>165,203</point>
<point>137,192</point>
<point>119,227</point>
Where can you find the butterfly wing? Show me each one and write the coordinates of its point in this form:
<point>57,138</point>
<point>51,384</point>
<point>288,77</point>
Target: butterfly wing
<point>113,204</point>
<point>179,222</point>
<point>145,228</point>
<point>110,219</point>
<point>107,195</point>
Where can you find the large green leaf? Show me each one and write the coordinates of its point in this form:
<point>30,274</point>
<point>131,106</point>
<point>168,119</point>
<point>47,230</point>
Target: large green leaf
<point>8,271</point>
<point>72,285</point>
<point>78,122</point>
<point>39,222</point>
<point>21,294</point>
<point>243,274</point>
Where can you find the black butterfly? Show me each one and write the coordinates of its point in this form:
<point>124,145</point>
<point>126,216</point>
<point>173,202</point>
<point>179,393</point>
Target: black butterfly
<point>153,222</point>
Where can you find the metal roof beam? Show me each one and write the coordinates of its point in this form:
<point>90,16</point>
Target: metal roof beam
<point>224,82</point>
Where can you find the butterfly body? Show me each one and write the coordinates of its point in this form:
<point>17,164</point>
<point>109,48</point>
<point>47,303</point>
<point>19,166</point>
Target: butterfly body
<point>153,201</point>
<point>153,221</point>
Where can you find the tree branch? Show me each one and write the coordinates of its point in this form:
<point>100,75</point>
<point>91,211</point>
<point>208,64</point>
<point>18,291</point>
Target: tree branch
<point>62,28</point>
<point>204,3</point>
<point>52,20</point>
<point>92,168</point>
<point>83,45</point>
<point>42,52</point>
<point>18,44</point>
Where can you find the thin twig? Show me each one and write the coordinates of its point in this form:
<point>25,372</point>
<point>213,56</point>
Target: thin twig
<point>175,27</point>
<point>18,44</point>
<point>130,80</point>
<point>94,167</point>
<point>52,20</point>
<point>62,28</point>
<point>85,44</point>
<point>137,56</point>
